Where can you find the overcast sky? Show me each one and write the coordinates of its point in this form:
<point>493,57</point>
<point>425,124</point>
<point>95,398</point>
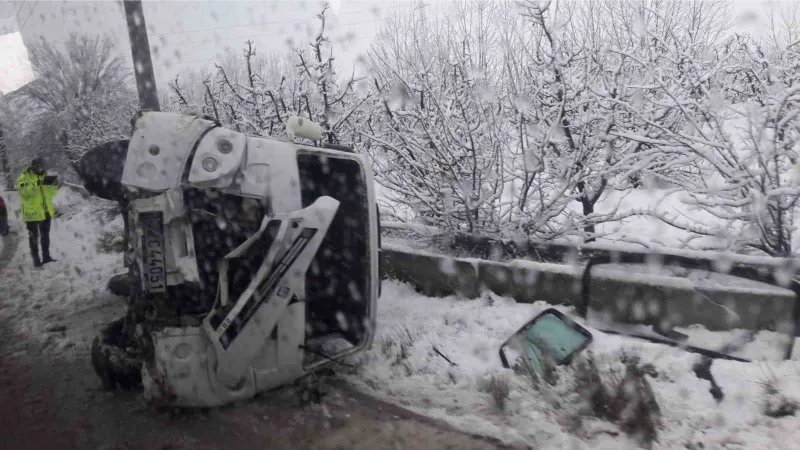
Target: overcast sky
<point>186,35</point>
<point>191,34</point>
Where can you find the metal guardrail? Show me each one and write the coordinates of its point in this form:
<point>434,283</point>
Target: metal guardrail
<point>442,275</point>
<point>742,272</point>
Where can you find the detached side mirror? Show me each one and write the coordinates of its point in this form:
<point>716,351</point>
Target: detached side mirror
<point>551,335</point>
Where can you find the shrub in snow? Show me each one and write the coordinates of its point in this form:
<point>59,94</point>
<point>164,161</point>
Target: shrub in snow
<point>623,397</point>
<point>66,200</point>
<point>498,386</point>
<point>777,404</point>
<point>387,347</point>
<point>111,241</point>
<point>524,368</point>
<point>398,347</point>
<point>69,204</point>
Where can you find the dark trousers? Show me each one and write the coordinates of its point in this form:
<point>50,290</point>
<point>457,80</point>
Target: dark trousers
<point>3,221</point>
<point>39,232</point>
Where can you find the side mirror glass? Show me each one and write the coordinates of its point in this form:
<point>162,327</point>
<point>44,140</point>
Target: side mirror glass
<point>551,336</point>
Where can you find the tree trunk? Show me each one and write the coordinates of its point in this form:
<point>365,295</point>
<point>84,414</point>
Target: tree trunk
<point>9,180</point>
<point>588,208</point>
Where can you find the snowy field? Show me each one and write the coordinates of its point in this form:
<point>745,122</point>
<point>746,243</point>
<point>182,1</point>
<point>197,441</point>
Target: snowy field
<point>403,367</point>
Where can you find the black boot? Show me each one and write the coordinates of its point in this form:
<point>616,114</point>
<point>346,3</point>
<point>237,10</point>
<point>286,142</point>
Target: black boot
<point>46,257</point>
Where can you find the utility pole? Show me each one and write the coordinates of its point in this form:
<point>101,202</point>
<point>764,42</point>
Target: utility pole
<point>140,50</point>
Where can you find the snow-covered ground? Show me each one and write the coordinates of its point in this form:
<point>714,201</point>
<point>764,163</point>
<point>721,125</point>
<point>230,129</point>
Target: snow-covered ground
<point>470,332</point>
<point>61,293</point>
<point>403,367</point>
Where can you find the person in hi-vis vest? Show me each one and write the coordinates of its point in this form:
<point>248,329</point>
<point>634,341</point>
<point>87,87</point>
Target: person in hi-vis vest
<point>36,190</point>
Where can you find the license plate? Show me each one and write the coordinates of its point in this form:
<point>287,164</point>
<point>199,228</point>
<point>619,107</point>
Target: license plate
<point>155,273</point>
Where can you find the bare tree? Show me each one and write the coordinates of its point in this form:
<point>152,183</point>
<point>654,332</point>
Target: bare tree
<point>520,117</point>
<point>83,91</point>
<point>564,125</point>
<point>783,26</point>
<point>627,23</point>
<point>744,150</point>
<point>437,131</point>
<point>255,93</point>
<point>27,133</point>
<point>336,98</point>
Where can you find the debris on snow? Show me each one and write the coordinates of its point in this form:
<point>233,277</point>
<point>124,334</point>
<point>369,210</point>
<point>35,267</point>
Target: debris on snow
<point>544,415</point>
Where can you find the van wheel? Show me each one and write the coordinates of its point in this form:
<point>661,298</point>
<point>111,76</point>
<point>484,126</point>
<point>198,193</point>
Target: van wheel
<point>112,362</point>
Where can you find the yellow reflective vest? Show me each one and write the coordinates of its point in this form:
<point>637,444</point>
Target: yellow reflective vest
<point>35,197</point>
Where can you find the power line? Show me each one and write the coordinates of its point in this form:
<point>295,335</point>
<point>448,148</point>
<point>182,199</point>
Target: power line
<point>255,24</point>
<point>248,25</point>
<point>180,63</point>
<point>15,14</point>
<point>10,8</point>
<point>13,19</point>
<point>33,7</point>
<point>207,41</point>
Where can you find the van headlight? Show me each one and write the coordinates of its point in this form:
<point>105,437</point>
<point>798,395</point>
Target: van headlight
<point>210,164</point>
<point>146,170</point>
<point>224,146</point>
